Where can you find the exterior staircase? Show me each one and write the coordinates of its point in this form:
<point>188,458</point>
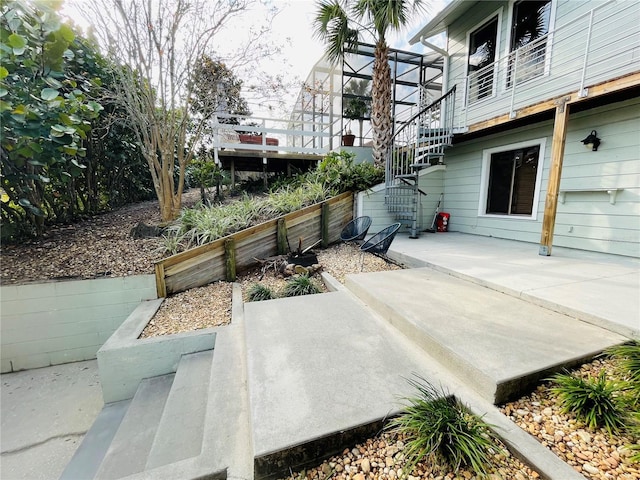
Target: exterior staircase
<point>416,146</point>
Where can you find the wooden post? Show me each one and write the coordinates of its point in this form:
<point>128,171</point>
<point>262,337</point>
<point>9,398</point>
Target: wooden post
<point>161,285</point>
<point>232,171</point>
<point>281,236</point>
<point>555,174</point>
<point>230,259</point>
<point>324,222</point>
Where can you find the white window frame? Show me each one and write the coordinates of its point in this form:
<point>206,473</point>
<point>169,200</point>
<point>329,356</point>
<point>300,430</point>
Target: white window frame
<point>547,59</point>
<point>477,26</point>
<point>484,178</point>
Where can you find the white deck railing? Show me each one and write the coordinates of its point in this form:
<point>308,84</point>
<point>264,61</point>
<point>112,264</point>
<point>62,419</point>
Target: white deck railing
<point>600,45</point>
<point>300,137</point>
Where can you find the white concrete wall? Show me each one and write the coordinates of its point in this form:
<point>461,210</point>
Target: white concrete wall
<point>59,322</point>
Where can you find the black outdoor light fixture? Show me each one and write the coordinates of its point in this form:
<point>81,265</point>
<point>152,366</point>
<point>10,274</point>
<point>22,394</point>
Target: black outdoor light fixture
<point>592,141</point>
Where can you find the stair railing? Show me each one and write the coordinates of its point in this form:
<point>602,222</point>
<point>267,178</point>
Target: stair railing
<point>421,139</point>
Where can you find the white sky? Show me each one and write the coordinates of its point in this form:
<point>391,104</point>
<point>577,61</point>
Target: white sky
<point>293,29</point>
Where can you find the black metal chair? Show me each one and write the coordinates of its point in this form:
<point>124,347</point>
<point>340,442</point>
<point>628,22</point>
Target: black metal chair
<point>356,229</point>
<point>381,241</point>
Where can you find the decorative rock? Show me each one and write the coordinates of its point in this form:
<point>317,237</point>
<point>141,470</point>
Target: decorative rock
<point>587,467</point>
<point>365,465</point>
<point>388,461</point>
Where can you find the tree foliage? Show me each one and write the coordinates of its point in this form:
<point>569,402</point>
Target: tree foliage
<point>66,148</point>
<point>341,24</point>
<point>158,45</point>
<point>46,107</point>
<point>215,88</point>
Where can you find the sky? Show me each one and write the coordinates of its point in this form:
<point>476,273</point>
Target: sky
<point>292,28</point>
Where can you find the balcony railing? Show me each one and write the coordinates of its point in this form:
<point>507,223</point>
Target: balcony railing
<point>599,45</point>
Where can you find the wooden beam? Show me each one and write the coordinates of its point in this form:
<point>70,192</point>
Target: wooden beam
<point>555,173</point>
<point>324,224</point>
<point>604,88</point>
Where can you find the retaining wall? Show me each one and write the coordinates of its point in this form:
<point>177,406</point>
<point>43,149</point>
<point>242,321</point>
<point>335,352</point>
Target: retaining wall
<point>60,322</point>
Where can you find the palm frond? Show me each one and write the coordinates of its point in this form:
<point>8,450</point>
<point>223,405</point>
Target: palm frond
<point>332,26</point>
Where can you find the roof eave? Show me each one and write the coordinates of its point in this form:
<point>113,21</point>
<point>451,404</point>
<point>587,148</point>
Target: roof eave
<point>442,20</point>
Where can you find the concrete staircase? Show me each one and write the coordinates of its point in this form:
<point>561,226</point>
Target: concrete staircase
<point>163,424</point>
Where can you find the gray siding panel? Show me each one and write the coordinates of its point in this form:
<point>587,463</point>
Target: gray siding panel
<point>586,220</point>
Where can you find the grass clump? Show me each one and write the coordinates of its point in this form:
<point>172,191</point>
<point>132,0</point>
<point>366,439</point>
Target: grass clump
<point>438,428</point>
<point>627,361</point>
<point>300,285</point>
<point>592,400</point>
<point>258,292</point>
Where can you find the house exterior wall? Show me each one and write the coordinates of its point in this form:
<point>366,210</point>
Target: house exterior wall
<point>606,43</point>
<point>60,322</point>
<point>587,219</point>
<point>371,202</point>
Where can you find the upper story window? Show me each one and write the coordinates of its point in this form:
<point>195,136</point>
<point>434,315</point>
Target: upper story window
<point>483,43</point>
<point>529,28</point>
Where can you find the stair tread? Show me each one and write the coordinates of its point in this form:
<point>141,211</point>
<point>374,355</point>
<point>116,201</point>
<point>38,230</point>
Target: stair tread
<point>95,444</point>
<point>132,442</point>
<point>180,430</point>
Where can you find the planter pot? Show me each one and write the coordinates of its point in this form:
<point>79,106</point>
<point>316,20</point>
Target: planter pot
<point>348,140</point>
<point>257,139</point>
<point>305,260</point>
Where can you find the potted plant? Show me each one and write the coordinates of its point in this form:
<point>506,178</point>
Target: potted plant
<point>355,108</point>
<point>348,138</point>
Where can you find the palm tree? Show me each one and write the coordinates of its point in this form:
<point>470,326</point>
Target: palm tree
<point>340,24</point>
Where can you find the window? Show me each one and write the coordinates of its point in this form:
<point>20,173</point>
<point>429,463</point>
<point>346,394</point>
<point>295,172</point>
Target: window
<point>511,178</point>
<point>482,55</point>
<point>529,29</point>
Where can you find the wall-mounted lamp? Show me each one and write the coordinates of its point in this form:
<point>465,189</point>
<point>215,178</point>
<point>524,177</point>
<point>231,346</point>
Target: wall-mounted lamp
<point>592,141</point>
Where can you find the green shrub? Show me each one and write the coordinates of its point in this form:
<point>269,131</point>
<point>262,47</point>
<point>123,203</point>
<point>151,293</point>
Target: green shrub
<point>300,285</point>
<point>633,427</point>
<point>627,361</point>
<point>439,429</point>
<point>593,401</point>
<point>258,292</point>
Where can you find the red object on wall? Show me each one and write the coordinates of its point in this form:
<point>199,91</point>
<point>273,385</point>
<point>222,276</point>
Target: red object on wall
<point>442,222</point>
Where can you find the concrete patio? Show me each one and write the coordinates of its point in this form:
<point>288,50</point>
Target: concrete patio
<point>283,359</point>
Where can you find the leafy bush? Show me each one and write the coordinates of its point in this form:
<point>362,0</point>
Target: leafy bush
<point>338,172</point>
<point>594,401</point>
<point>440,429</point>
<point>258,292</point>
<point>300,285</point>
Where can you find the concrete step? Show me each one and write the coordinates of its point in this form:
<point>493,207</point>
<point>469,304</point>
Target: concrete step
<point>91,452</point>
<point>323,373</point>
<point>499,345</point>
<point>179,433</point>
<point>132,442</point>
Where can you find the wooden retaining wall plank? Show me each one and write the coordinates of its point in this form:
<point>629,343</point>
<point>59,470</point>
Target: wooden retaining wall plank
<point>207,263</point>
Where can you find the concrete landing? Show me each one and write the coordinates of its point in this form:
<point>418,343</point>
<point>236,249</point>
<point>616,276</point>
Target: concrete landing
<point>320,365</point>
<point>497,344</point>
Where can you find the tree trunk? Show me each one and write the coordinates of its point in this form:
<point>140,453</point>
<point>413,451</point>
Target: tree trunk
<point>381,103</point>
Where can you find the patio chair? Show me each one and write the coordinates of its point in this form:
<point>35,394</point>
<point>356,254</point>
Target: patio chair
<point>381,241</point>
<point>356,229</point>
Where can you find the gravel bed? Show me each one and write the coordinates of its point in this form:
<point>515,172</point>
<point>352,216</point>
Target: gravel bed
<point>210,306</point>
<point>203,307</point>
<point>382,458</point>
<point>595,455</point>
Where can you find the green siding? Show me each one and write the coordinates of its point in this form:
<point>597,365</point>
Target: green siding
<point>586,220</point>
